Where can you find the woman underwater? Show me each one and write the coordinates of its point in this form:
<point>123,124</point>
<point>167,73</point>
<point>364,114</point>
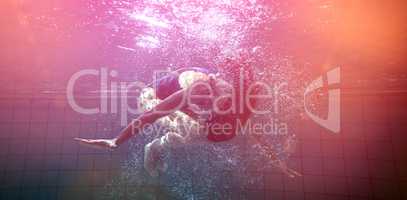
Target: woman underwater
<point>207,100</point>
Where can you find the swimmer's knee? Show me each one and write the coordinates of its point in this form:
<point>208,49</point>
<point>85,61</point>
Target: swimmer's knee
<point>156,144</point>
<point>152,153</point>
<point>174,138</point>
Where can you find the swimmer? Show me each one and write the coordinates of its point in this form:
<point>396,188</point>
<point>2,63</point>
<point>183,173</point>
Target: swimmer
<point>209,105</point>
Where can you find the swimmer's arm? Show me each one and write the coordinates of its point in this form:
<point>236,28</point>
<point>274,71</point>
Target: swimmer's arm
<point>168,106</point>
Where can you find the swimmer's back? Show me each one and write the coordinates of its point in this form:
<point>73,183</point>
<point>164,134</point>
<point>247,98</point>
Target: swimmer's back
<point>170,83</point>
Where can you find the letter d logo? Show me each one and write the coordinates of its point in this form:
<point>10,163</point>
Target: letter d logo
<point>333,120</point>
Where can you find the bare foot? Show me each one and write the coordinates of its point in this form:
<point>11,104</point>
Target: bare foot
<point>98,143</point>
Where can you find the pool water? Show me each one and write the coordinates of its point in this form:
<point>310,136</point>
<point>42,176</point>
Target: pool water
<point>290,44</point>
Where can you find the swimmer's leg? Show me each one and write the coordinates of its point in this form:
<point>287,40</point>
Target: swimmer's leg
<point>151,155</point>
<point>153,151</point>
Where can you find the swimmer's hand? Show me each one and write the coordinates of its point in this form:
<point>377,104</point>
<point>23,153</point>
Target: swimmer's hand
<point>282,165</point>
<point>98,143</point>
<point>286,170</point>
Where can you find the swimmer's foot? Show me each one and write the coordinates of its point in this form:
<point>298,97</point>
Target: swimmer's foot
<point>98,143</point>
